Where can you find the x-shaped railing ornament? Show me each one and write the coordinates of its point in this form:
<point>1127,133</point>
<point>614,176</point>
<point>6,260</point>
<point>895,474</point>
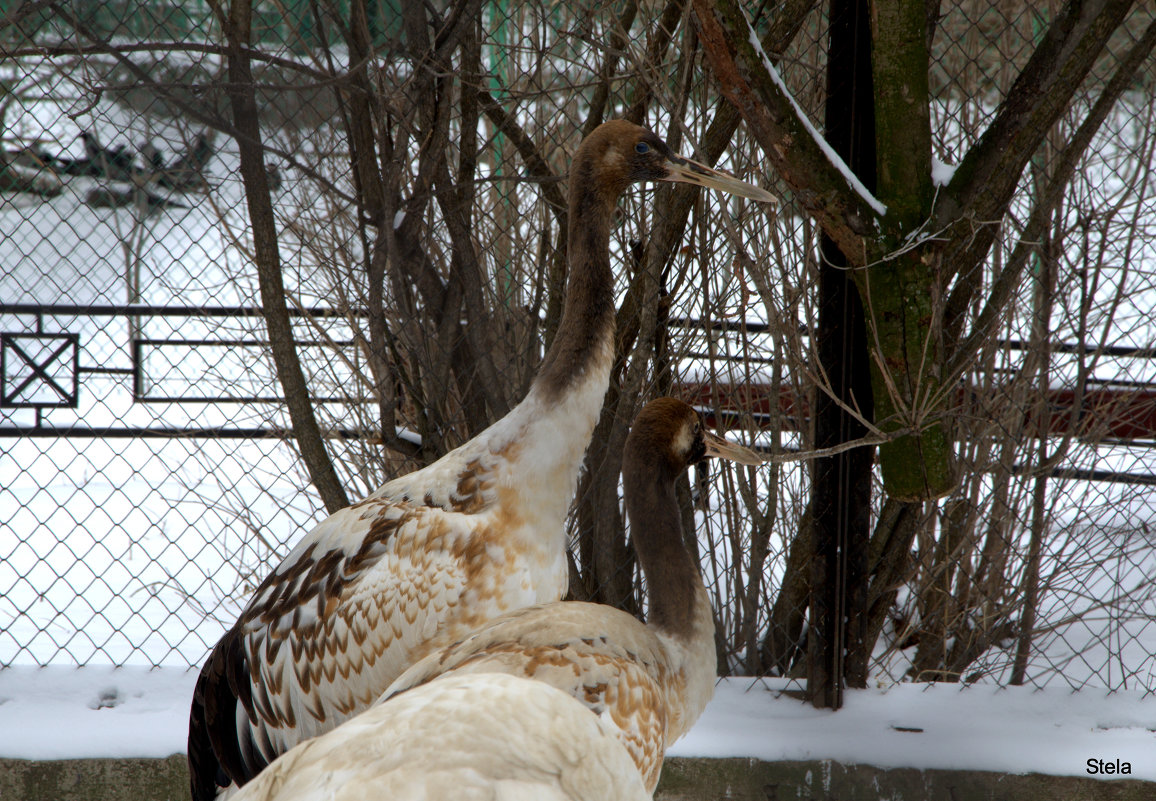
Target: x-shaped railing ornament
<point>13,385</point>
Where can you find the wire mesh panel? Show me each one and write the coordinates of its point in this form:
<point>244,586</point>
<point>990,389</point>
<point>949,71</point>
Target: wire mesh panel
<point>413,161</point>
<point>146,481</point>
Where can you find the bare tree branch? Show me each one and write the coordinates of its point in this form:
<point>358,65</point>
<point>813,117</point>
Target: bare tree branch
<point>787,139</point>
<point>982,186</point>
<point>236,24</point>
<point>984,325</point>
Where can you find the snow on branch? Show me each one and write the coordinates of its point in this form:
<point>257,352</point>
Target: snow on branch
<point>836,160</point>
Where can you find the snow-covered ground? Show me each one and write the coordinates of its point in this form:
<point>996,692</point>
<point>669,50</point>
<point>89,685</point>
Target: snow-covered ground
<point>59,712</point>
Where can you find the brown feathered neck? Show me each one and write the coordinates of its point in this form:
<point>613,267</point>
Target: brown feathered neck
<point>660,447</point>
<point>602,169</point>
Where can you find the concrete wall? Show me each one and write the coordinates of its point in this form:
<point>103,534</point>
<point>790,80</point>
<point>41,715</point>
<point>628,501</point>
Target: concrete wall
<point>682,780</point>
<point>95,779</point>
<point>752,780</point>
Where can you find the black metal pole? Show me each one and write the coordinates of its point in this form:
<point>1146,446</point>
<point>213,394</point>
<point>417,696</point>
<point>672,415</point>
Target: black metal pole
<point>841,488</point>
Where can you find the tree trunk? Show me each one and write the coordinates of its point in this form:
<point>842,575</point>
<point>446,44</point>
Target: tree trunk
<point>898,286</point>
<point>236,25</point>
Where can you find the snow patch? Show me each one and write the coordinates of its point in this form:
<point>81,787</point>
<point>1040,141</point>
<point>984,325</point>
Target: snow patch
<point>48,713</point>
<point>945,726</point>
<point>941,173</point>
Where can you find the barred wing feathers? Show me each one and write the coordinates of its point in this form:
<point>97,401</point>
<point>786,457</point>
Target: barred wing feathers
<point>353,604</point>
<point>601,656</point>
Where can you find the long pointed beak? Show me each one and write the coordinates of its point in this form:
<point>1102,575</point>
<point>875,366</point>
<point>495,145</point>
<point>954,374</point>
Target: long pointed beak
<point>685,171</point>
<point>731,451</point>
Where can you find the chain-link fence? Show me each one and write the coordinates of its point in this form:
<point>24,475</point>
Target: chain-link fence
<point>415,166</point>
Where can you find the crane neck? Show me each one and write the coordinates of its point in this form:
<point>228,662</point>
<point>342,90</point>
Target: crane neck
<point>582,343</point>
<point>673,582</point>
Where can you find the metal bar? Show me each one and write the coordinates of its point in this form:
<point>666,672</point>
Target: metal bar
<point>106,370</point>
<point>1103,413</point>
<point>246,343</point>
<point>40,370</point>
<point>39,367</point>
<point>1077,347</point>
<point>151,310</point>
<point>239,399</point>
<point>1139,442</point>
<point>693,354</point>
<point>1119,383</point>
<point>143,310</point>
<point>1106,476</point>
<point>136,432</point>
<point>138,389</point>
<point>721,325</point>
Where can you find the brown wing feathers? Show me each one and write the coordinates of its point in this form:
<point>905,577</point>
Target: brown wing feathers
<point>221,744</point>
<point>234,700</point>
<point>219,749</point>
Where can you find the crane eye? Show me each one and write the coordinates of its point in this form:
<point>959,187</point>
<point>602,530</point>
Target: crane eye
<point>642,147</point>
